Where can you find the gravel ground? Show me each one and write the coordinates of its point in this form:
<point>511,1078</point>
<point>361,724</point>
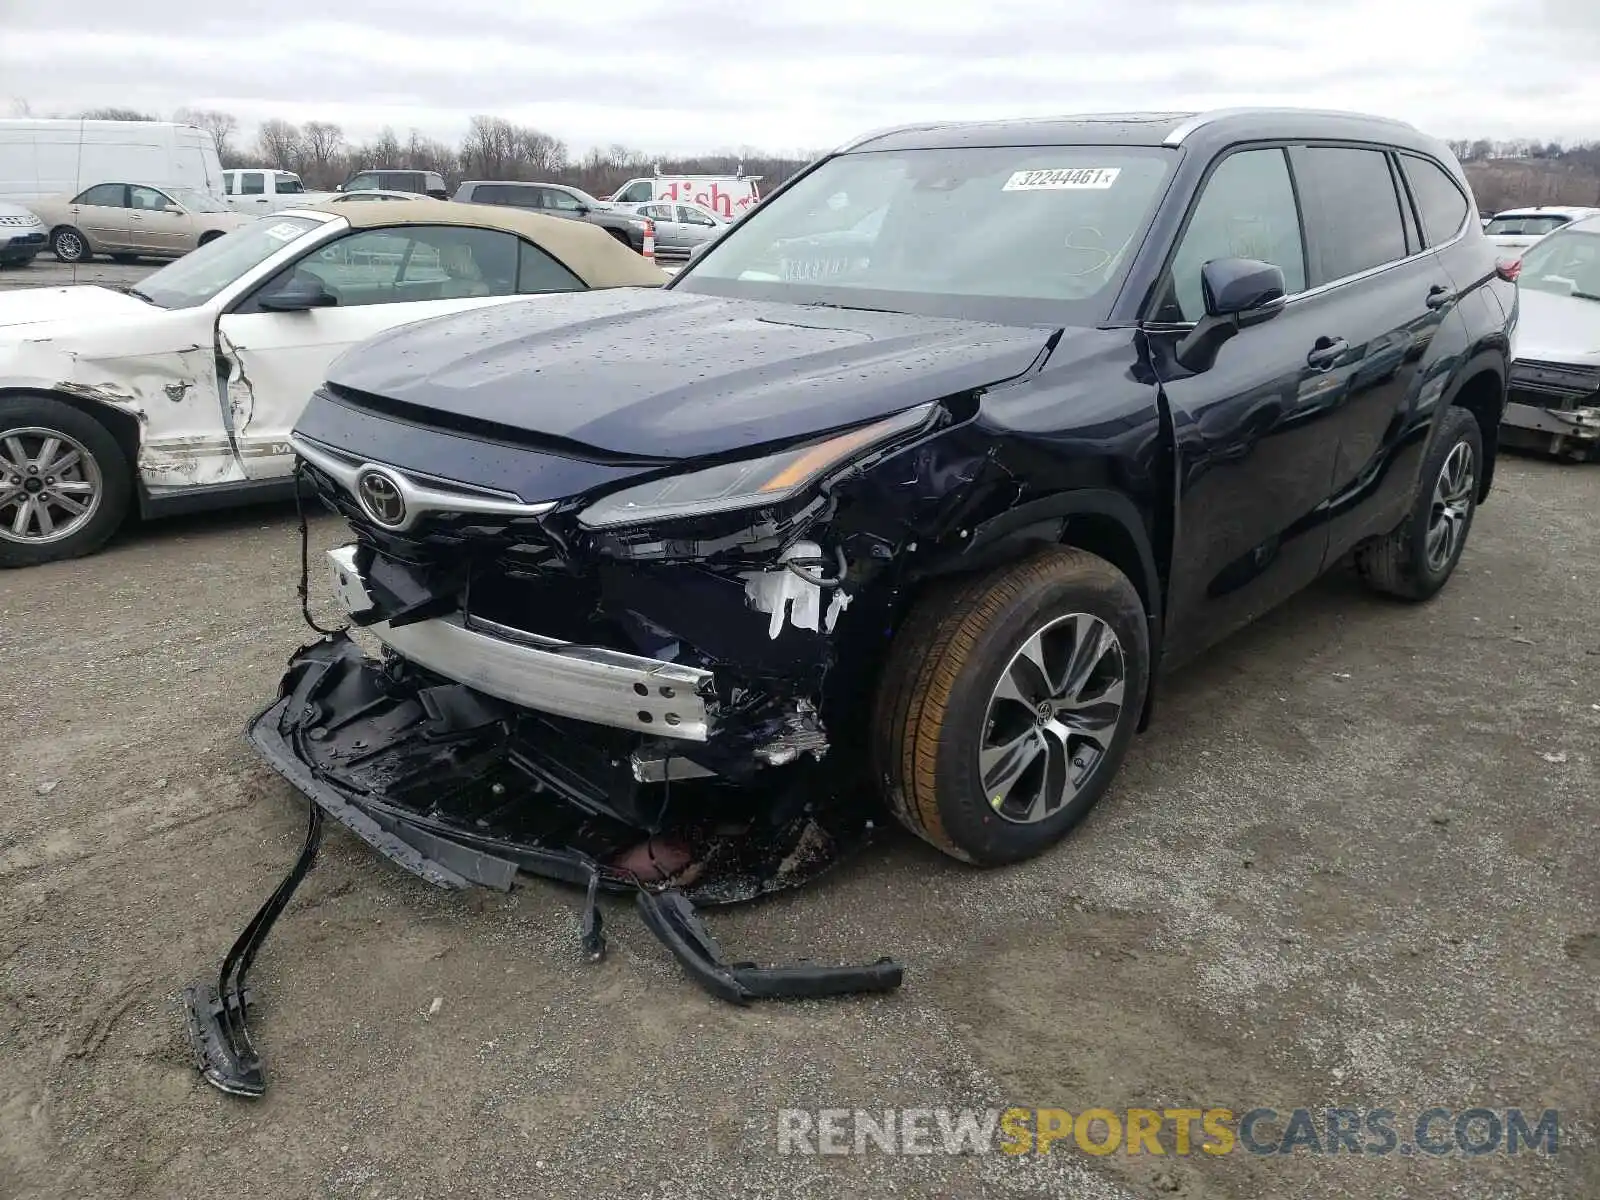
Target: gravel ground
<point>1354,863</point>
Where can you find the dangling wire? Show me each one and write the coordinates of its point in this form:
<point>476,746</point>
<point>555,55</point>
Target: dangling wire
<point>305,556</point>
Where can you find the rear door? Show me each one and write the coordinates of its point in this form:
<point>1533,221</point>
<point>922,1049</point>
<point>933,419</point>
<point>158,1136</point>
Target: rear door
<point>1389,304</point>
<point>1256,433</point>
<point>381,278</point>
<point>102,213</point>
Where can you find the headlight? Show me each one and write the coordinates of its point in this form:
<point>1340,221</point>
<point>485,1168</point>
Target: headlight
<point>771,479</point>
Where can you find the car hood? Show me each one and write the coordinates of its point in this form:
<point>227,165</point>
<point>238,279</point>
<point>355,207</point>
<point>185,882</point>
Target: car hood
<point>671,375</point>
<point>1556,328</point>
<point>42,306</point>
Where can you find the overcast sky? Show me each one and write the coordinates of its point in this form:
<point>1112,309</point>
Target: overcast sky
<point>697,75</point>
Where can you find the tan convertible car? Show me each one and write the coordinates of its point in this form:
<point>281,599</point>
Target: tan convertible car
<point>133,220</point>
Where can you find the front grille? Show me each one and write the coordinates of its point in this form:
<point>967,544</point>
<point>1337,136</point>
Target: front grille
<point>1551,399</point>
<point>21,222</point>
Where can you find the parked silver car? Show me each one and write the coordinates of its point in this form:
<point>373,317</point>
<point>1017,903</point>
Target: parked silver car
<point>1554,401</point>
<point>680,227</point>
<point>21,235</point>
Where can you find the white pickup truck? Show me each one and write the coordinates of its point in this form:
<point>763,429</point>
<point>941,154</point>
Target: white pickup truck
<point>265,190</point>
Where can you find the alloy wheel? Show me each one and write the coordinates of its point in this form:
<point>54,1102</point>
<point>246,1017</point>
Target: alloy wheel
<point>1453,494</point>
<point>1051,718</point>
<point>50,485</point>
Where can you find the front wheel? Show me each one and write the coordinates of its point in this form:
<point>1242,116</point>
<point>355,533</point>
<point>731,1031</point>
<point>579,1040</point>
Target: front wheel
<point>1416,559</point>
<point>65,485</point>
<point>70,246</point>
<point>1008,703</point>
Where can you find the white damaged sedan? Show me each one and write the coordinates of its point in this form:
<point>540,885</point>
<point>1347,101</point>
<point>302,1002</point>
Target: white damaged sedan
<point>179,393</point>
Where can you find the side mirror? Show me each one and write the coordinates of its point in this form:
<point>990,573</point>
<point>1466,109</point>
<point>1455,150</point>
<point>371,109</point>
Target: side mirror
<point>300,293</point>
<point>1239,293</point>
<point>338,187</point>
<point>582,210</point>
<point>172,208</point>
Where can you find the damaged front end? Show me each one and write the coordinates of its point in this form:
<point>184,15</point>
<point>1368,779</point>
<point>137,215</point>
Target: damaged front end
<point>1554,407</point>
<point>677,716</point>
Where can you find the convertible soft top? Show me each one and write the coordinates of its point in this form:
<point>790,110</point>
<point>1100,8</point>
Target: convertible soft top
<point>596,257</point>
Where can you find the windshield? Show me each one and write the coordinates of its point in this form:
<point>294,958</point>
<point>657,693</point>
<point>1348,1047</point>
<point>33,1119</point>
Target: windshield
<point>1022,234</point>
<point>198,201</point>
<point>1567,263</point>
<point>1536,226</point>
<point>201,274</point>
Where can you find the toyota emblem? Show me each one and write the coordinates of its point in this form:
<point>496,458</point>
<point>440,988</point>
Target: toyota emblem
<point>379,493</point>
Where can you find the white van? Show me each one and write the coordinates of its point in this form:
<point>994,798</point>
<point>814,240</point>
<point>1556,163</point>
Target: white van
<point>41,158</point>
<point>729,196</point>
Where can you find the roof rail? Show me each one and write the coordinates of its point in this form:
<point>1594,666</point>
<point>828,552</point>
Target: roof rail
<point>1177,136</point>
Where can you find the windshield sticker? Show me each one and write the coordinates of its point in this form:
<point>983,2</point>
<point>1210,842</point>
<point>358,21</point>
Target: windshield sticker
<point>1062,178</point>
<point>285,232</point>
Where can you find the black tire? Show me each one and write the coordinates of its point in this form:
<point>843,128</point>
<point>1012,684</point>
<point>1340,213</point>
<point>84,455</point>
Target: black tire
<point>935,700</point>
<point>69,245</point>
<point>1404,563</point>
<point>107,459</point>
<point>124,258</point>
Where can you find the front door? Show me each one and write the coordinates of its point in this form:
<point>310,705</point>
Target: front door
<point>380,278</point>
<point>153,229</point>
<point>1257,432</point>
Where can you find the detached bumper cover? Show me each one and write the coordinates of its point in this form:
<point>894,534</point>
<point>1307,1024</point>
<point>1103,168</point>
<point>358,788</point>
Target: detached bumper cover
<point>460,787</point>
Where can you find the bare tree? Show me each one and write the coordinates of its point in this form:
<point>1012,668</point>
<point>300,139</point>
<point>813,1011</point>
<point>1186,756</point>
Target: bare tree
<point>320,143</point>
<point>20,107</point>
<point>220,125</point>
<point>497,149</point>
<point>279,144</point>
<point>116,114</point>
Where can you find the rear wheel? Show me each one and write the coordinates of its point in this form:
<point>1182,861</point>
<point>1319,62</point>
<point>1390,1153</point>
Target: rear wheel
<point>1415,560</point>
<point>70,246</point>
<point>1008,703</point>
<point>65,485</point>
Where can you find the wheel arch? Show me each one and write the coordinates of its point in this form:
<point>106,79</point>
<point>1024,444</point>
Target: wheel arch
<point>209,235</point>
<point>1480,388</point>
<point>122,425</point>
<point>1105,523</point>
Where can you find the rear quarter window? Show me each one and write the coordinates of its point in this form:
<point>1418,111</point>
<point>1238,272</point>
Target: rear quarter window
<point>1443,208</point>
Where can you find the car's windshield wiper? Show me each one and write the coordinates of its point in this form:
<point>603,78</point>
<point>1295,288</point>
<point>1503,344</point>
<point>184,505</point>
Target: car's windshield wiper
<point>1586,296</point>
<point>138,295</point>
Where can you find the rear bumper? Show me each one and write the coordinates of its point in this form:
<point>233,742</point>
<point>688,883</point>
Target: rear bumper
<point>586,683</point>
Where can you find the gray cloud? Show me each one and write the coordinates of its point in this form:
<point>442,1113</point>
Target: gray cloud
<point>790,74</point>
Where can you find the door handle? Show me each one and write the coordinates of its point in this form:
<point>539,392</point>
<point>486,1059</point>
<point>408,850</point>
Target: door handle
<point>1326,352</point>
<point>1439,296</point>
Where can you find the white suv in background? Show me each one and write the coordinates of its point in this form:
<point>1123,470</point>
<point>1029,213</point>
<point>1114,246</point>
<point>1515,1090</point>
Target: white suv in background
<point>1516,228</point>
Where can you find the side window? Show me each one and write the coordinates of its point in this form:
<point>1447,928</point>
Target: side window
<point>1247,210</point>
<point>252,183</point>
<point>1352,210</point>
<point>362,183</point>
<point>230,183</point>
<point>289,185</point>
<point>657,212</point>
<point>461,261</point>
<point>538,272</point>
<point>105,195</point>
<point>635,193</point>
<point>560,201</point>
<point>147,199</point>
<point>1444,209</point>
